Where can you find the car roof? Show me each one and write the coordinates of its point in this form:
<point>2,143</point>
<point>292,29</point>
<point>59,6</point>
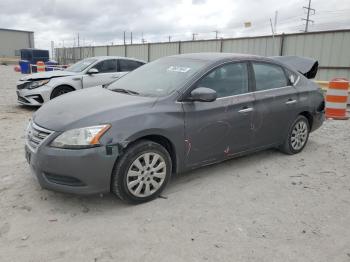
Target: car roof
<point>213,57</point>
<point>100,58</point>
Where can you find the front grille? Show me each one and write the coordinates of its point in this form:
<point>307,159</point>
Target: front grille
<point>36,135</point>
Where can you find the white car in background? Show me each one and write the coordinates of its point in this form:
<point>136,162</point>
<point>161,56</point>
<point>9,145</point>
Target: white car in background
<point>38,88</point>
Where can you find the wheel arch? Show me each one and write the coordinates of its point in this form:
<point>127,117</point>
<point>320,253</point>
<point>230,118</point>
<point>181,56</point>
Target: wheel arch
<point>166,143</point>
<point>157,137</point>
<point>308,116</point>
<point>61,85</point>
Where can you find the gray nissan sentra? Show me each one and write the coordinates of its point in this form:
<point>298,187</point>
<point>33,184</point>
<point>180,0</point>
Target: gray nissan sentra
<point>169,116</point>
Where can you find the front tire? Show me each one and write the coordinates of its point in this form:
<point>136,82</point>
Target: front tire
<point>142,172</point>
<point>297,137</point>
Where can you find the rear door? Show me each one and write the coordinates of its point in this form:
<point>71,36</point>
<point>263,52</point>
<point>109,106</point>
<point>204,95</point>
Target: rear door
<point>107,73</point>
<point>276,103</point>
<point>217,130</point>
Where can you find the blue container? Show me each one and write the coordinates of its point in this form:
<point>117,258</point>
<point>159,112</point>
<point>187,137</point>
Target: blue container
<point>50,63</point>
<point>25,66</point>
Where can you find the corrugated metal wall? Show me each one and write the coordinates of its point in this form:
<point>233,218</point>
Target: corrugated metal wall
<point>330,48</point>
<point>13,40</point>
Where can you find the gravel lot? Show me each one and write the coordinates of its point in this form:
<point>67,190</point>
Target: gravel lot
<point>262,207</point>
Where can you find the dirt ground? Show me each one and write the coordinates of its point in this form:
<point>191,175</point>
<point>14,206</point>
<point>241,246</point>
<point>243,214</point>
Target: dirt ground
<point>262,207</point>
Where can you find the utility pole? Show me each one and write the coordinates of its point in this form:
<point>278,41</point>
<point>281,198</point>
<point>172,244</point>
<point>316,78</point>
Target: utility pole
<point>307,19</point>
<point>52,50</point>
<point>142,39</point>
<point>194,36</point>
<point>124,37</point>
<point>273,36</point>
<point>169,37</point>
<point>78,40</point>
<point>131,38</point>
<point>216,34</point>
<point>275,24</point>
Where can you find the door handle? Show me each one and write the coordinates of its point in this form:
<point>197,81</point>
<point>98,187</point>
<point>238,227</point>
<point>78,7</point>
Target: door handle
<point>291,101</point>
<point>115,76</point>
<point>245,110</point>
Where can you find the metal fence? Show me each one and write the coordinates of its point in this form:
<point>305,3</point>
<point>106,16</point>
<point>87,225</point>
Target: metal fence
<point>330,48</point>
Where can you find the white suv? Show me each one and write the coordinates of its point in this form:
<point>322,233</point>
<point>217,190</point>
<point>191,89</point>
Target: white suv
<point>38,88</point>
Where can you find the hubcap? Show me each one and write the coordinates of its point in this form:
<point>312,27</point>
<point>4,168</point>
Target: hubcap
<point>299,135</point>
<point>146,174</point>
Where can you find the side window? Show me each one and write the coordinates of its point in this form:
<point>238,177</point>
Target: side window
<point>128,65</point>
<point>107,66</point>
<point>227,80</point>
<point>269,76</point>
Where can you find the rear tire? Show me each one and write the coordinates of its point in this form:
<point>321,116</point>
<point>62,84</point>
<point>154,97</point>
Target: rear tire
<point>61,90</point>
<point>297,137</point>
<point>142,172</point>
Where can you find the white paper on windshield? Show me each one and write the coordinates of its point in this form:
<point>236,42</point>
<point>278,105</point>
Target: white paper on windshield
<point>180,69</point>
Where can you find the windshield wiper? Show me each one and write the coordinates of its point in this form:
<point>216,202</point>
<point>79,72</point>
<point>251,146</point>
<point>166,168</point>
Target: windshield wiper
<point>126,91</point>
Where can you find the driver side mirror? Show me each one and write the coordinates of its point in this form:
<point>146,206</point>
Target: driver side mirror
<point>203,94</point>
<point>92,71</point>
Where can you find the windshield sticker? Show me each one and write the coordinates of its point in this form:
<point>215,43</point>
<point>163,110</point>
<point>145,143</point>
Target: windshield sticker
<point>179,69</point>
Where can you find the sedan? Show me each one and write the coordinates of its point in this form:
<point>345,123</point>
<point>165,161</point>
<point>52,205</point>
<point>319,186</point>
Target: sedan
<point>38,88</point>
<point>170,116</point>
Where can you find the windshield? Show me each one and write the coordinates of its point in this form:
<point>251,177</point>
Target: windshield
<point>81,65</point>
<point>159,78</point>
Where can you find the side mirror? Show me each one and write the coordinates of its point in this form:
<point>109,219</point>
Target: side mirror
<point>203,94</point>
<point>92,71</point>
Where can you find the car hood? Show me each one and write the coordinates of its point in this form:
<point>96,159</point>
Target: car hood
<point>46,75</point>
<point>88,107</point>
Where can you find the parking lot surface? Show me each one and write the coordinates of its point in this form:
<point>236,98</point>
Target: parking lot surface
<point>264,207</point>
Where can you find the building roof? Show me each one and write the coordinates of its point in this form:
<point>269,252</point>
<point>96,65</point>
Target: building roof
<point>15,30</point>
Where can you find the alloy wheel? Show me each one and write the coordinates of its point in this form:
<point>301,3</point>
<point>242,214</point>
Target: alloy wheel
<point>299,135</point>
<point>146,174</point>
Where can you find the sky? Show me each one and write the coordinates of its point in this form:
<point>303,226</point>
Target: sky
<point>102,22</point>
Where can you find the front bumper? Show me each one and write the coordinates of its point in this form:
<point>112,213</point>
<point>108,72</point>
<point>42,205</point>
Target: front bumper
<point>82,171</point>
<point>34,97</point>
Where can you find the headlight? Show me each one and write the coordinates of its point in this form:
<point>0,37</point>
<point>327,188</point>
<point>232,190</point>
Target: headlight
<point>81,137</point>
<point>37,84</point>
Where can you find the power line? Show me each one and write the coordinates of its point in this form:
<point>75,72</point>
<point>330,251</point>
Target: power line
<point>307,19</point>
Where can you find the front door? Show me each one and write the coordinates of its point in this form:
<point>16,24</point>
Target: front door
<point>107,73</point>
<point>219,129</point>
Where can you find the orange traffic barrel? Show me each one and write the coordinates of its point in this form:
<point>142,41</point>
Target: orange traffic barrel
<point>337,98</point>
<point>17,68</point>
<point>40,66</point>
